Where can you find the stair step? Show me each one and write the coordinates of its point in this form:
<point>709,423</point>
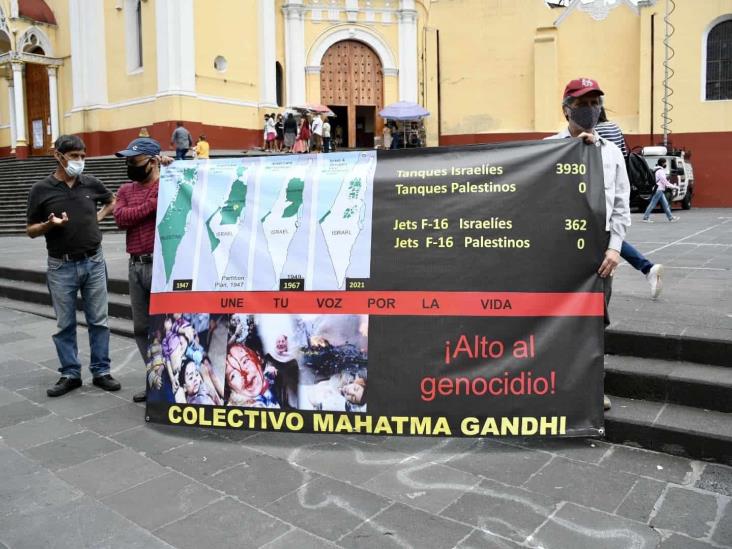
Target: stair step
<point>669,347</point>
<point>685,383</point>
<point>118,326</point>
<point>37,292</point>
<point>671,428</point>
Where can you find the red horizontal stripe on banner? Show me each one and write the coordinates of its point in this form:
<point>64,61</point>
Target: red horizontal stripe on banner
<point>409,303</point>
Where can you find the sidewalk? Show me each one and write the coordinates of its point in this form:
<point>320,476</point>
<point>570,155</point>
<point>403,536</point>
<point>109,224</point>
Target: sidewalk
<point>85,470</point>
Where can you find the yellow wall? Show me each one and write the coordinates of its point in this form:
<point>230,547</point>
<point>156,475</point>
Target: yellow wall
<point>503,66</point>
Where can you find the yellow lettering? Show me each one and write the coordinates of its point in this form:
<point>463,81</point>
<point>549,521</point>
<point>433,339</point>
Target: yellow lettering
<point>235,422</point>
<point>323,423</point>
<point>219,417</point>
<point>469,426</point>
<point>174,414</point>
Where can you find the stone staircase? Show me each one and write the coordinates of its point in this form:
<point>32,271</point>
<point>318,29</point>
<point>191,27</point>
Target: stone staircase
<point>17,177</point>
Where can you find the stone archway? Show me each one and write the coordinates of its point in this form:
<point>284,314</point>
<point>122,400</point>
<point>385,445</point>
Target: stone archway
<point>352,85</point>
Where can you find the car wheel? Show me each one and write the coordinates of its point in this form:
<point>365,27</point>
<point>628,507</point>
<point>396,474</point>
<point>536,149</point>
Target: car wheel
<point>686,203</point>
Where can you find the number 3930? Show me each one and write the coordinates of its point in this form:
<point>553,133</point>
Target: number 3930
<point>569,168</point>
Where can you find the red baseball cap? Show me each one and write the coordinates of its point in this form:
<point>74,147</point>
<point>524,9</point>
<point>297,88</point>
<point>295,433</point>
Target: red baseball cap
<point>581,86</point>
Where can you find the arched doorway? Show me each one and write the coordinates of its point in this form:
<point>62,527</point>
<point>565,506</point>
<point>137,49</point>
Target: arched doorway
<point>37,98</point>
<point>352,85</point>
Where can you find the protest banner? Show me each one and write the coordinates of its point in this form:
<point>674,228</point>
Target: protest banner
<point>442,292</point>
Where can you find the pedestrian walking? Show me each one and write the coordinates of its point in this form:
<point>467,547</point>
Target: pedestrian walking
<point>302,144</point>
<point>137,203</point>
<point>652,272</point>
<point>181,141</point>
<point>662,183</point>
<point>63,208</point>
<point>581,106</point>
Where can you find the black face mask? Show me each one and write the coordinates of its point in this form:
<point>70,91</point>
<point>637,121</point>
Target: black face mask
<point>138,173</point>
<point>585,117</point>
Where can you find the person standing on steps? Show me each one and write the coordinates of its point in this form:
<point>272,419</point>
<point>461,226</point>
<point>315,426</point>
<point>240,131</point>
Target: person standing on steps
<point>63,208</point>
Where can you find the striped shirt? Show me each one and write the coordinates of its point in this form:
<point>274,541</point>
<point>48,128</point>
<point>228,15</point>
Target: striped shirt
<point>135,211</point>
<point>612,132</point>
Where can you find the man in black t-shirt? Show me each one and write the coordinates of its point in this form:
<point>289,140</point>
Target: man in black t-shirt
<point>63,208</point>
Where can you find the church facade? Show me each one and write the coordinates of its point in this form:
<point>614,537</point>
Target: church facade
<point>487,70</point>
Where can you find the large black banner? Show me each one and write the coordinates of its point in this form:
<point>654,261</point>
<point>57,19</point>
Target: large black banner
<point>443,292</point>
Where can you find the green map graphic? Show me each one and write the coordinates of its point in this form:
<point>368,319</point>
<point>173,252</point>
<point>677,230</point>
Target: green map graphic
<point>172,228</point>
<point>232,209</point>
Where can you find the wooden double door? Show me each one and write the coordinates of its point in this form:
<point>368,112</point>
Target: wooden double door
<point>352,85</point>
<point>38,109</point>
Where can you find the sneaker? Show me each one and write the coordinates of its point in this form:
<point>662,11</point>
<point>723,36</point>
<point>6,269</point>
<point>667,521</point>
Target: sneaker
<point>646,220</point>
<point>107,382</point>
<point>674,219</point>
<point>606,402</point>
<point>139,397</point>
<point>655,279</point>
<point>63,386</point>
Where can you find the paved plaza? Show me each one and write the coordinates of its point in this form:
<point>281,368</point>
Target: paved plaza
<point>85,470</point>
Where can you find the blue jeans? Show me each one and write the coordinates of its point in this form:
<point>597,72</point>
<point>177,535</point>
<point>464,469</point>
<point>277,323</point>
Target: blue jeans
<point>65,279</point>
<point>635,258</point>
<point>658,195</point>
<point>180,154</point>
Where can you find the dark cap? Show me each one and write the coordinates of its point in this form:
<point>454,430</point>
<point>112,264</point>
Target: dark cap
<point>581,86</point>
<point>141,145</point>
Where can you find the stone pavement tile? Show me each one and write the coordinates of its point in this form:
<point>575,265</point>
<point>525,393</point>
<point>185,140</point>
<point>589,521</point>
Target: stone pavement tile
<point>82,523</point>
<point>155,439</point>
<point>480,539</point>
<point>12,337</point>
<point>15,463</point>
<point>504,510</point>
<point>350,461</point>
<point>39,351</point>
<point>575,526</point>
<point>161,500</point>
<point>501,462</point>
<point>686,511</point>
<point>723,531</point>
<point>38,431</point>
<point>327,508</point>
<point>201,459</point>
<point>260,480</point>
<point>649,464</point>
<point>112,473</point>
<point>8,397</point>
<point>297,537</point>
<point>71,450</point>
<point>428,446</point>
<point>114,420</point>
<point>31,376</point>
<point>716,478</point>
<point>422,484</point>
<point>17,412</point>
<point>225,523</point>
<point>290,446</point>
<point>638,504</point>
<point>676,541</point>
<point>27,493</point>
<point>11,366</point>
<point>78,403</point>
<point>589,450</point>
<point>402,526</point>
<point>582,483</point>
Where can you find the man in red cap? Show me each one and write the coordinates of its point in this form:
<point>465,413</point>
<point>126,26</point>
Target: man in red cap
<point>581,104</point>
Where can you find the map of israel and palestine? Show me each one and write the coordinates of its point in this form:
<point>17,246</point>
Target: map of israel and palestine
<point>244,224</point>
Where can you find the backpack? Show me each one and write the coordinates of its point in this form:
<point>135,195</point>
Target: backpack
<point>642,179</point>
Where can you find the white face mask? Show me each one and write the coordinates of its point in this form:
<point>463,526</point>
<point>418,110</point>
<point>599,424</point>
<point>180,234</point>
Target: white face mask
<point>74,168</point>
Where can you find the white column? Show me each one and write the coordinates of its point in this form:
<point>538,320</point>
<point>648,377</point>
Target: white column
<point>407,16</point>
<point>11,110</point>
<point>20,137</point>
<point>295,51</point>
<point>175,47</point>
<point>267,53</point>
<point>53,96</point>
<point>88,53</point>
